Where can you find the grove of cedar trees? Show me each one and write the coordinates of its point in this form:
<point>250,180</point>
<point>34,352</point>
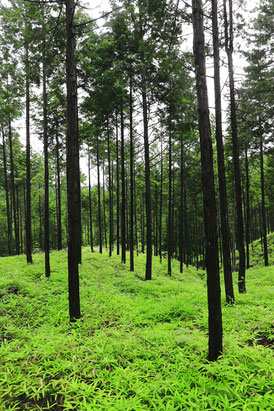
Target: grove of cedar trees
<point>162,177</point>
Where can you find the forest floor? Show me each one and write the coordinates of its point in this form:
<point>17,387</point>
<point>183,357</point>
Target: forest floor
<point>140,345</point>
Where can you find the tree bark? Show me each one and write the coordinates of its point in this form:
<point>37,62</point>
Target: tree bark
<point>9,217</point>
<point>59,205</point>
<point>235,149</point>
<point>46,164</point>
<point>210,212</point>
<point>90,206</point>
<point>72,166</point>
<point>247,229</point>
<point>16,231</point>
<point>264,233</point>
<point>99,198</point>
<point>110,195</point>
<point>148,275</point>
<point>169,225</point>
<point>28,180</point>
<point>123,203</point>
<point>131,178</point>
<point>117,191</point>
<point>221,163</point>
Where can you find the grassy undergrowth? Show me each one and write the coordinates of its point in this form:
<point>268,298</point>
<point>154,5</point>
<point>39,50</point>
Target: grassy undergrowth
<point>257,251</point>
<point>140,345</point>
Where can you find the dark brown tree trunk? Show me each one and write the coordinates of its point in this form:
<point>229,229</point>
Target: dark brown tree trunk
<point>221,164</point>
<point>181,230</point>
<point>156,216</point>
<point>169,225</point>
<point>99,198</point>
<point>131,178</point>
<point>247,229</point>
<point>46,166</point>
<point>40,222</point>
<point>161,203</point>
<point>235,149</point>
<point>123,204</point>
<point>9,217</point>
<point>59,205</point>
<point>90,206</point>
<point>104,206</point>
<point>210,212</point>
<point>110,196</point>
<point>117,191</point>
<point>264,233</point>
<point>28,181</point>
<point>148,274</point>
<point>16,231</point>
<point>72,166</point>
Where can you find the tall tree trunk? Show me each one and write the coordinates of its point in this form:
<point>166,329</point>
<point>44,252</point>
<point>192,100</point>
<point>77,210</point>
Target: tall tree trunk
<point>148,274</point>
<point>210,212</point>
<point>181,231</point>
<point>16,231</point>
<point>110,196</point>
<point>156,216</point>
<point>247,229</point>
<point>169,225</point>
<point>264,233</point>
<point>161,203</point>
<point>221,163</point>
<point>46,165</point>
<point>72,166</point>
<point>99,198</point>
<point>104,206</point>
<point>90,207</point>
<point>123,205</point>
<point>9,216</point>
<point>28,181</point>
<point>235,149</point>
<point>131,177</point>
<point>59,205</point>
<point>117,190</point>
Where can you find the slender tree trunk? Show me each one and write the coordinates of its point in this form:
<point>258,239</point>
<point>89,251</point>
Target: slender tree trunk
<point>235,149</point>
<point>16,232</point>
<point>247,229</point>
<point>210,212</point>
<point>123,205</point>
<point>9,217</point>
<point>28,181</point>
<point>99,199</point>
<point>40,222</point>
<point>117,191</point>
<point>263,199</point>
<point>110,196</point>
<point>221,163</point>
<point>131,178</point>
<point>181,240</point>
<point>169,225</point>
<point>59,205</point>
<point>161,203</point>
<point>148,274</point>
<point>156,216</point>
<point>46,165</point>
<point>90,207</point>
<point>72,166</point>
<point>104,207</point>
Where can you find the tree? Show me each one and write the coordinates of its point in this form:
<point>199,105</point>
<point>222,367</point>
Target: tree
<point>210,213</point>
<point>73,202</point>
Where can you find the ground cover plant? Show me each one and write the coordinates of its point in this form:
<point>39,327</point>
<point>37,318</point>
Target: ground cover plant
<point>139,345</point>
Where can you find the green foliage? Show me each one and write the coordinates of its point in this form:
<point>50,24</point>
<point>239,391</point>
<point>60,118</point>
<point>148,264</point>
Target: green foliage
<point>140,345</point>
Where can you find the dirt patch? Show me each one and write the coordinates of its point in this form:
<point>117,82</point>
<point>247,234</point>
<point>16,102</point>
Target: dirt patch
<point>261,339</point>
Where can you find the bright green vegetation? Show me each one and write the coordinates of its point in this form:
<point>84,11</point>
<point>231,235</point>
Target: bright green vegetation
<point>140,345</point>
<point>257,253</point>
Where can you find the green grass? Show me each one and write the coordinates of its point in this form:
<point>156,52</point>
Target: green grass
<point>257,251</point>
<point>140,345</point>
